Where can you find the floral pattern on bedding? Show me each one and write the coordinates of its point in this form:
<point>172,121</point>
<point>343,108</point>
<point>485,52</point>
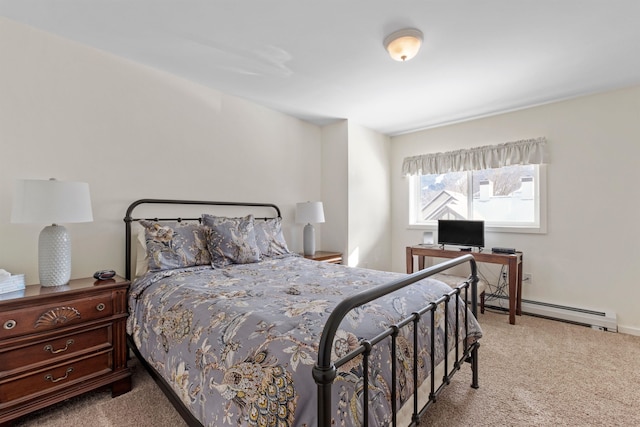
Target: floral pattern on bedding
<point>175,245</point>
<point>237,344</point>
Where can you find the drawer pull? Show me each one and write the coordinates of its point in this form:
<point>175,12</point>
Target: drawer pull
<point>50,349</point>
<point>10,324</point>
<point>49,377</point>
<point>100,306</point>
<point>57,316</point>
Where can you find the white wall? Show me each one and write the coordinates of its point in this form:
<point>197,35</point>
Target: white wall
<point>335,193</point>
<point>75,113</point>
<point>589,256</point>
<point>369,199</point>
<point>355,189</point>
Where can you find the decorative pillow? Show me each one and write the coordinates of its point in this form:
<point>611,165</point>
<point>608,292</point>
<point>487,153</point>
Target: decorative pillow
<point>175,245</point>
<point>231,240</point>
<point>269,237</point>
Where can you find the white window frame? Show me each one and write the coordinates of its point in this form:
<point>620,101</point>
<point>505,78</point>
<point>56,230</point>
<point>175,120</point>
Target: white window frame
<point>538,226</point>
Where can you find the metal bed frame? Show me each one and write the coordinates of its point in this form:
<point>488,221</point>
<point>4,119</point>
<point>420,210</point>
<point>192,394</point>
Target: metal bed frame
<point>325,371</point>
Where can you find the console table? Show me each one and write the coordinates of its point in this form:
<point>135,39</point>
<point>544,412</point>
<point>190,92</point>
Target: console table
<point>512,261</point>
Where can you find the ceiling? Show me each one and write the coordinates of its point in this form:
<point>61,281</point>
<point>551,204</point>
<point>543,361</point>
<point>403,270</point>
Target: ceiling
<point>323,60</point>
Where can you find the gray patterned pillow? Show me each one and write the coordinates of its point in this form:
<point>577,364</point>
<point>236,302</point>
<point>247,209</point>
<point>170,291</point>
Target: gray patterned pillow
<point>269,237</point>
<point>175,245</point>
<point>231,240</point>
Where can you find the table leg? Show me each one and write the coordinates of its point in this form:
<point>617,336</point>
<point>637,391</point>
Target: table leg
<point>513,289</point>
<point>409,261</point>
<point>519,300</point>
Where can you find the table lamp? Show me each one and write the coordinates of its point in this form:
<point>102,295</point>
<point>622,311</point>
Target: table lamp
<point>52,202</point>
<point>309,212</point>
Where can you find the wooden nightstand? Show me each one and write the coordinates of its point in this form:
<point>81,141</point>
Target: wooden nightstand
<point>59,342</point>
<point>326,256</point>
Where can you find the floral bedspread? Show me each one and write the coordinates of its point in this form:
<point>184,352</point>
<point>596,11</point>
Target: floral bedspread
<point>238,343</point>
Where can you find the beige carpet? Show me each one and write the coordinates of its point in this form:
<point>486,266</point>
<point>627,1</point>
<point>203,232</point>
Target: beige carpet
<point>143,406</point>
<point>537,372</point>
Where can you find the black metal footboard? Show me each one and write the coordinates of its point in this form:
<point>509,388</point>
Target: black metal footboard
<point>325,371</point>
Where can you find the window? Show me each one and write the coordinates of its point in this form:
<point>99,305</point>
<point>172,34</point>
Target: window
<point>506,198</point>
<point>503,185</point>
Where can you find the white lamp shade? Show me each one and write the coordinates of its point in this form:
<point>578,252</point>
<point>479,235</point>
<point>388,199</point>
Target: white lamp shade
<point>309,212</point>
<point>51,202</point>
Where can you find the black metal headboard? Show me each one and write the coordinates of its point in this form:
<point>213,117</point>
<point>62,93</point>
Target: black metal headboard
<point>128,219</point>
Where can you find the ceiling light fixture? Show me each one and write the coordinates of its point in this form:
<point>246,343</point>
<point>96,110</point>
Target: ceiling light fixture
<point>403,45</point>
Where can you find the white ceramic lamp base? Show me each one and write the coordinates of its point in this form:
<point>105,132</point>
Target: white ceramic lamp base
<point>54,256</point>
<point>309,240</point>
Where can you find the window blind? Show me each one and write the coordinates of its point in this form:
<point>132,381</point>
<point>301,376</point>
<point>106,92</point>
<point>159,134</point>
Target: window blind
<point>523,152</point>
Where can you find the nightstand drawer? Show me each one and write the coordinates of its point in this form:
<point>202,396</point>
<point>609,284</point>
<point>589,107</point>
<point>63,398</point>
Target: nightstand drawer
<point>57,376</point>
<point>45,351</point>
<point>43,318</point>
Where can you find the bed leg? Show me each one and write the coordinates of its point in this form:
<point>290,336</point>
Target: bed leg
<point>324,379</point>
<point>474,366</point>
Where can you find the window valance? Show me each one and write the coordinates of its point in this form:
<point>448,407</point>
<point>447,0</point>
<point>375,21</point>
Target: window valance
<point>524,152</point>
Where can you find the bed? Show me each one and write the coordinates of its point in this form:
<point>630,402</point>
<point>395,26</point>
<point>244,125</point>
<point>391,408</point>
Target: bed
<point>237,330</point>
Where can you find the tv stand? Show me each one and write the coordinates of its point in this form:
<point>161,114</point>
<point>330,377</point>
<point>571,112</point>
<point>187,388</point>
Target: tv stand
<point>512,261</point>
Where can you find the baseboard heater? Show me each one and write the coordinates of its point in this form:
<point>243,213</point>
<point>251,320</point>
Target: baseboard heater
<point>595,319</point>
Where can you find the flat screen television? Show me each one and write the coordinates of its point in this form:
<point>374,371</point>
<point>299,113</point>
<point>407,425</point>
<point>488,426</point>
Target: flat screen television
<point>460,232</point>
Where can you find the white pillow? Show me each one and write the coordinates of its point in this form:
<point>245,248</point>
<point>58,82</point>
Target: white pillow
<point>139,254</point>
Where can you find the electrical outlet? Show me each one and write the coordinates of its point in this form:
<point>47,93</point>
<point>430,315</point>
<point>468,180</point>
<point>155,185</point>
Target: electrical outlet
<point>526,278</point>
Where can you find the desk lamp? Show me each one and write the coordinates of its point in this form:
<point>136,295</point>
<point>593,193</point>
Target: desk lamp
<point>309,212</point>
<point>52,202</point>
